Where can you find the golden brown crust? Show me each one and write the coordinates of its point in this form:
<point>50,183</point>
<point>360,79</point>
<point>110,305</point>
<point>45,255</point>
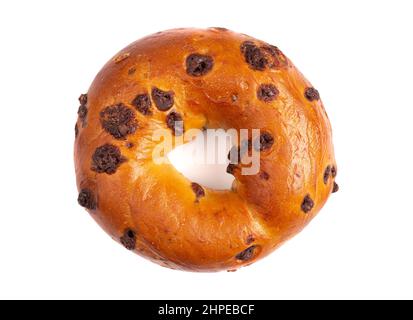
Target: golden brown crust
<point>219,79</point>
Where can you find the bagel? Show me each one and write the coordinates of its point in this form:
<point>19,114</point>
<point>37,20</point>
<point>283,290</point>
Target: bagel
<point>205,78</point>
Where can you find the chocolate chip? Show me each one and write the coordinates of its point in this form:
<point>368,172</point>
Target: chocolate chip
<point>264,142</point>
<point>264,175</point>
<point>276,59</point>
<point>231,168</point>
<point>198,64</point>
<point>244,46</point>
<point>333,171</point>
<point>335,187</point>
<point>86,199</point>
<point>253,56</point>
<point>131,71</point>
<point>164,100</point>
<point>327,172</point>
<point>118,120</point>
<point>247,254</point>
<point>129,145</point>
<point>267,92</point>
<point>76,130</point>
<point>143,104</point>
<point>198,190</point>
<point>83,99</point>
<point>272,50</point>
<point>307,204</point>
<point>128,240</point>
<point>107,159</point>
<point>245,147</point>
<point>250,239</point>
<point>233,154</point>
<point>311,94</point>
<point>82,112</point>
<point>174,122</point>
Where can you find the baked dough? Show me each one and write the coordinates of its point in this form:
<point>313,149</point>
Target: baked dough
<point>212,78</point>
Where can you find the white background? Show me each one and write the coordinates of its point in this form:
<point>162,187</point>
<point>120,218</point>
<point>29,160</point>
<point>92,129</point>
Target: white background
<point>359,54</point>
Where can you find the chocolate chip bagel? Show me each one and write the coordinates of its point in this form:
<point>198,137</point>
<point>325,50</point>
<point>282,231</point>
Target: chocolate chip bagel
<point>212,78</point>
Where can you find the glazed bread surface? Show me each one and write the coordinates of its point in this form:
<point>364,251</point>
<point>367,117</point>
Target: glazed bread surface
<point>212,78</point>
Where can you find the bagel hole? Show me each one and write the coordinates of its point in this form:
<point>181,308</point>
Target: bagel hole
<point>204,160</point>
